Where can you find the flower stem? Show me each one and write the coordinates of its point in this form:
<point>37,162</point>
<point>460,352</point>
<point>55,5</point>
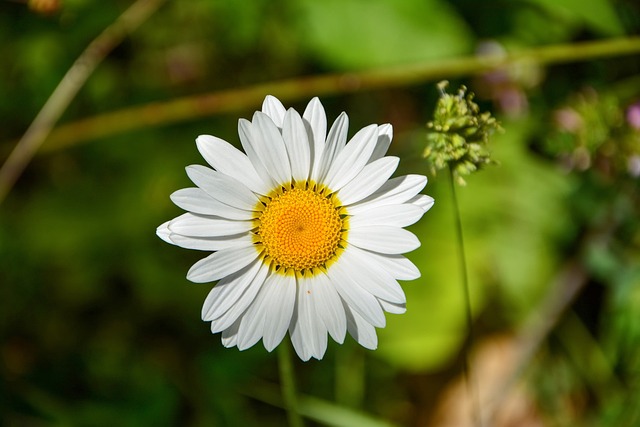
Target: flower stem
<point>350,377</point>
<point>471,389</point>
<point>288,385</point>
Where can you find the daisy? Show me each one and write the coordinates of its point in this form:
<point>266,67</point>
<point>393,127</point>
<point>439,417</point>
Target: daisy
<point>306,230</point>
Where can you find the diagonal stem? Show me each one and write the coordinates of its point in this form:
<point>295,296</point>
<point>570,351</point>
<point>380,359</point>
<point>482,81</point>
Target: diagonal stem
<point>288,385</point>
<point>471,387</point>
<point>67,89</point>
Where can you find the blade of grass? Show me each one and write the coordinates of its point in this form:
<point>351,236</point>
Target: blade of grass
<point>316,409</point>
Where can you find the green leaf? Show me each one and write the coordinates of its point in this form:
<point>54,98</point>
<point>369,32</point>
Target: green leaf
<point>356,34</point>
<point>320,410</point>
<point>599,15</point>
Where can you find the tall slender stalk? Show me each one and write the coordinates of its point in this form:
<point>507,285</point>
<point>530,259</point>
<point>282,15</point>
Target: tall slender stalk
<point>288,385</point>
<point>472,391</point>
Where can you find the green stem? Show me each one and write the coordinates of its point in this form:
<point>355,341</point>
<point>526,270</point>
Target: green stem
<point>288,385</point>
<point>350,373</point>
<point>471,389</point>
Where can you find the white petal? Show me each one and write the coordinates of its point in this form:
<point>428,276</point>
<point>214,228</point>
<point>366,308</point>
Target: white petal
<point>370,178</point>
<point>315,122</point>
<point>385,135</point>
<point>398,266</point>
<point>228,291</point>
<point>355,296</point>
<point>308,333</point>
<point>227,159</point>
<point>350,161</point>
<point>423,201</point>
<point>384,239</point>
<point>296,140</point>
<point>300,342</point>
<point>361,330</point>
<point>211,243</point>
<point>298,330</point>
<point>230,335</point>
<point>273,108</point>
<point>320,334</point>
<point>207,226</point>
<point>371,277</point>
<point>249,143</point>
<point>196,200</point>
<point>394,215</point>
<point>222,263</point>
<point>223,188</point>
<point>393,308</point>
<point>163,232</point>
<point>238,309</point>
<point>280,300</point>
<point>271,149</point>
<point>252,323</point>
<point>336,141</point>
<point>329,307</point>
<point>393,192</point>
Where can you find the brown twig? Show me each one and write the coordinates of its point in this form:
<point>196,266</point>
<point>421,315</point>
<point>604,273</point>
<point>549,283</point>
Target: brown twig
<point>563,290</point>
<point>191,107</point>
<point>67,89</point>
<point>226,101</point>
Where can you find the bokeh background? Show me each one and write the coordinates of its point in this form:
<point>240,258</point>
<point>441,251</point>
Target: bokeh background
<point>99,327</point>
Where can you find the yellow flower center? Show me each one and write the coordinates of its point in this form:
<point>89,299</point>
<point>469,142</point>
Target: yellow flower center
<point>300,229</point>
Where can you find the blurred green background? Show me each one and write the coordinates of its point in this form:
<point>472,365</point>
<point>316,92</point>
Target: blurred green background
<point>98,325</point>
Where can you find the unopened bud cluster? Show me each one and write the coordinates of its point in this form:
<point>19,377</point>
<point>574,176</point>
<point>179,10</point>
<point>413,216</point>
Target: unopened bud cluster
<point>458,134</point>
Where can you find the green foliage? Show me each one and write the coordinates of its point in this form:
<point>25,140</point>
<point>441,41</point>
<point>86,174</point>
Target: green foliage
<point>599,15</point>
<point>356,34</point>
<point>591,132</point>
<point>599,340</point>
<point>98,325</point>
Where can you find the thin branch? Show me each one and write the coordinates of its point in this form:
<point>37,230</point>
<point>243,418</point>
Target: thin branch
<point>191,107</point>
<point>67,89</point>
<point>565,287</point>
<point>227,101</point>
<point>563,291</point>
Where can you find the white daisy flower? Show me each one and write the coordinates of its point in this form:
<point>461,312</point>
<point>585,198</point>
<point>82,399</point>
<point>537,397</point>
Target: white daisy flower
<point>306,230</point>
